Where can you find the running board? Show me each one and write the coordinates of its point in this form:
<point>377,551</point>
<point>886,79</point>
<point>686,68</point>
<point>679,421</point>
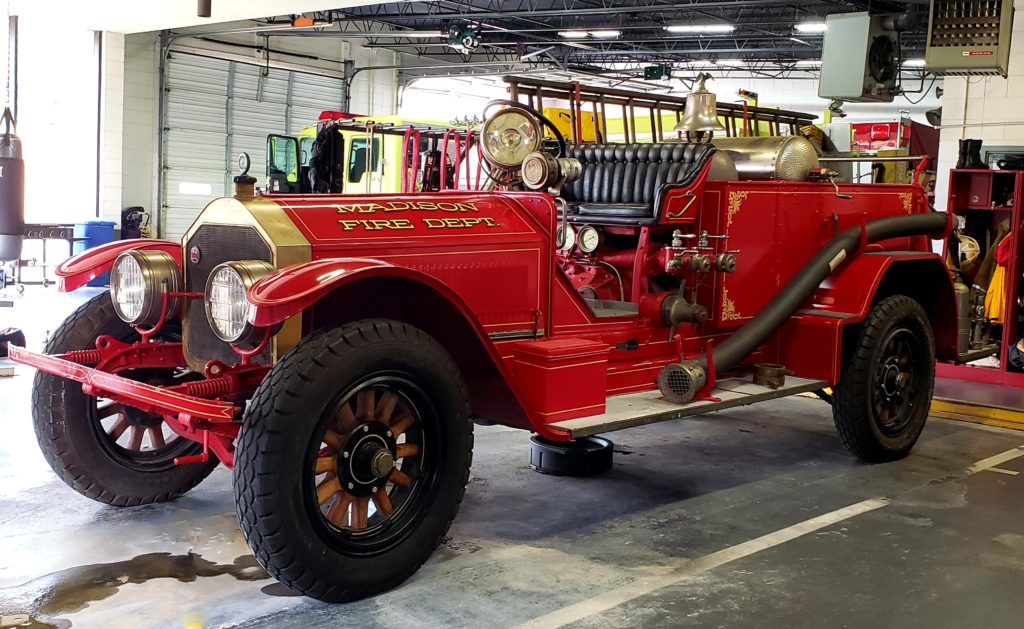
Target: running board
<point>648,407</point>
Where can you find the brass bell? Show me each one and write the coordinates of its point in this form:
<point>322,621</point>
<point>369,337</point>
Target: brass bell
<point>701,112</point>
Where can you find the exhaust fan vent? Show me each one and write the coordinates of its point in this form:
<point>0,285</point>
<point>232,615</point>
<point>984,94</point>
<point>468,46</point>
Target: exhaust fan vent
<point>969,38</point>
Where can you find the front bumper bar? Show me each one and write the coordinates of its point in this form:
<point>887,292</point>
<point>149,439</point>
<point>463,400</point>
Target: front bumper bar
<point>147,397</point>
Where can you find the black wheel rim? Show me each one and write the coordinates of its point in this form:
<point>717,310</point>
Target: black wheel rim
<point>896,381</point>
<point>372,465</point>
<point>131,437</point>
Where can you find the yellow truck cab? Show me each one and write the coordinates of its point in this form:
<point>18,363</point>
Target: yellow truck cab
<point>369,160</point>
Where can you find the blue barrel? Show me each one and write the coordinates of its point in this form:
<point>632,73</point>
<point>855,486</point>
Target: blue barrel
<point>92,234</point>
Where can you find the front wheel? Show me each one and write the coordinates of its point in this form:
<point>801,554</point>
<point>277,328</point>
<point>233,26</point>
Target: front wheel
<point>353,459</point>
<point>106,451</point>
<point>882,401</point>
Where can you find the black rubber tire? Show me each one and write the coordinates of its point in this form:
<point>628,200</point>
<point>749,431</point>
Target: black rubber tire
<point>279,427</point>
<point>853,397</point>
<point>71,444</point>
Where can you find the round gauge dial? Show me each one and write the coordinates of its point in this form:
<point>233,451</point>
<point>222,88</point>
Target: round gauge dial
<point>243,163</point>
<point>589,239</point>
<point>566,238</point>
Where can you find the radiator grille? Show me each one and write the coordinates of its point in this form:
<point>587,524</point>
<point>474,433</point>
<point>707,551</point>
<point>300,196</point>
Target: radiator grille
<point>960,23</point>
<point>216,244</point>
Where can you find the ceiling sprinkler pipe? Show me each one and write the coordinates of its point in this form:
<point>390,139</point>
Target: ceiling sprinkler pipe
<point>844,246</point>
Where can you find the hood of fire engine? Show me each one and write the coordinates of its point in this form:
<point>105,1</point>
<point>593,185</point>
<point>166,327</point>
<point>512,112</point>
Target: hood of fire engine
<point>233,229</point>
<point>262,216</point>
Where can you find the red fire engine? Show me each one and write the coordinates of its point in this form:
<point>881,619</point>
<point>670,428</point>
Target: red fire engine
<point>335,350</point>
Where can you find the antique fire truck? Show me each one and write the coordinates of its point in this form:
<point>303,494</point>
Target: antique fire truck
<point>336,350</point>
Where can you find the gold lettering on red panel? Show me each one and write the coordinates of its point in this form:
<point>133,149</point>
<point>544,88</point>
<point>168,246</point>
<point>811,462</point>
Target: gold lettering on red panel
<point>407,206</point>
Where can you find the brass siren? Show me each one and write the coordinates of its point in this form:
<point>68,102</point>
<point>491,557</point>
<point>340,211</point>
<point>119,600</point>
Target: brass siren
<point>701,114</point>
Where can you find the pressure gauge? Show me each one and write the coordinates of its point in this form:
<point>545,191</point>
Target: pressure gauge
<point>566,238</point>
<point>589,239</point>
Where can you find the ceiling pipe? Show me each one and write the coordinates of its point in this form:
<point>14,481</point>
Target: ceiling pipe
<point>205,8</point>
<point>483,15</point>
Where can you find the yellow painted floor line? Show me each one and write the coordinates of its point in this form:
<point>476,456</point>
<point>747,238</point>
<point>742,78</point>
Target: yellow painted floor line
<point>1000,470</point>
<point>998,416</point>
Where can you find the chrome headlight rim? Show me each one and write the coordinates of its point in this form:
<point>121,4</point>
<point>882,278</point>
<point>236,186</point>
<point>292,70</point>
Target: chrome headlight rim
<point>246,272</point>
<point>489,127</point>
<point>158,273</point>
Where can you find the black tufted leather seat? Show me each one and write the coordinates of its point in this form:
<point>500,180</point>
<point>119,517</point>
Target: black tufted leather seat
<point>624,183</point>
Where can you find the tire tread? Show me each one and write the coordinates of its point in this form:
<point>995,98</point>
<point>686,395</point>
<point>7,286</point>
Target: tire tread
<point>294,374</point>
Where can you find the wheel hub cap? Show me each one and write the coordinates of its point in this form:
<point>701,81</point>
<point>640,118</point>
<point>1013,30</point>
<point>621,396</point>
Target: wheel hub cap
<point>382,463</point>
<point>892,380</point>
<point>367,459</point>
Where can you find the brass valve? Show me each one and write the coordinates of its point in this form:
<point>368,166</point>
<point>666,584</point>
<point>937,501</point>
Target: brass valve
<point>725,262</point>
<point>699,262</point>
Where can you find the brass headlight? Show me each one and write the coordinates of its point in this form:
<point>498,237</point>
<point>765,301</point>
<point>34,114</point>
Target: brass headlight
<point>138,281</point>
<point>509,136</point>
<point>227,308</point>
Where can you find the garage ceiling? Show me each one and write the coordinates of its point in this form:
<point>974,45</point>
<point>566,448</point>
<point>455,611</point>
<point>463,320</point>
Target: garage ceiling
<point>137,16</point>
<point>614,37</point>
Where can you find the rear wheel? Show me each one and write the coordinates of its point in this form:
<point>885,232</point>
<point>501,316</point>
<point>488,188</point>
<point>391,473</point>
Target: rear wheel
<point>107,451</point>
<point>882,401</point>
<point>353,459</point>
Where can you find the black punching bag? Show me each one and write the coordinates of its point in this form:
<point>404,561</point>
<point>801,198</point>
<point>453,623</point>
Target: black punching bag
<point>12,191</point>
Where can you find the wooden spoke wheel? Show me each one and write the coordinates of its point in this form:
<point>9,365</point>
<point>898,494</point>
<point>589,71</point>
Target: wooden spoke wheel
<point>135,438</point>
<point>371,458</point>
<point>353,458</point>
<point>107,451</point>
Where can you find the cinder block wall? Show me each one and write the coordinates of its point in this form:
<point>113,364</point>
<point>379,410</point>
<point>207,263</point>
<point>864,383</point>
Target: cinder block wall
<point>990,108</point>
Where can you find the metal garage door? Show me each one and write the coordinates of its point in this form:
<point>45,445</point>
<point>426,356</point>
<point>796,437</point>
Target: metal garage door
<point>218,108</point>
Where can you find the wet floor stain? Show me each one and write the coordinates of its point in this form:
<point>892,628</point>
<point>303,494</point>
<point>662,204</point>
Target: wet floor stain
<point>72,590</point>
<point>23,621</point>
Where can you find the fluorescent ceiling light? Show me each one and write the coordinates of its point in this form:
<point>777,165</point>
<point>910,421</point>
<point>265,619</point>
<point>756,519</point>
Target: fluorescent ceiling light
<point>811,27</point>
<point>573,34</point>
<point>605,34</point>
<point>701,29</point>
<point>731,62</point>
<point>913,63</point>
<point>809,62</point>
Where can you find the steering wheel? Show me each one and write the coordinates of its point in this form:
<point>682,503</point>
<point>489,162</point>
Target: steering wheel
<point>562,147</point>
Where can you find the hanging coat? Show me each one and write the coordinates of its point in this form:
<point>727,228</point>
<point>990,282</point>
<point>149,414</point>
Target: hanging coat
<point>995,298</point>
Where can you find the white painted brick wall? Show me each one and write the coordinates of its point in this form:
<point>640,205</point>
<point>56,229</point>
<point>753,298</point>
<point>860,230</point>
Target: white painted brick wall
<point>990,108</point>
<point>139,146</point>
<point>111,127</point>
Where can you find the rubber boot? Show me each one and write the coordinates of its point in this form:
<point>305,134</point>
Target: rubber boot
<point>961,161</point>
<point>974,155</point>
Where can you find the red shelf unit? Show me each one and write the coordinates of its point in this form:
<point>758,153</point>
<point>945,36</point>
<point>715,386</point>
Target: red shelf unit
<point>986,197</point>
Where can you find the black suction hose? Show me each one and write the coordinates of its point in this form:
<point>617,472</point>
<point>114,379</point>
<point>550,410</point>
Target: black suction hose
<point>745,340</point>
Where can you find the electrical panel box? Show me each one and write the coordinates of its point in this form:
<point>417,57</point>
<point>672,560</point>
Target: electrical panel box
<point>859,59</point>
<point>969,38</point>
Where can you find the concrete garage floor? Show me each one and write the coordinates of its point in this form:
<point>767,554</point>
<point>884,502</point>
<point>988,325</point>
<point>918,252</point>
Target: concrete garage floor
<point>751,517</point>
